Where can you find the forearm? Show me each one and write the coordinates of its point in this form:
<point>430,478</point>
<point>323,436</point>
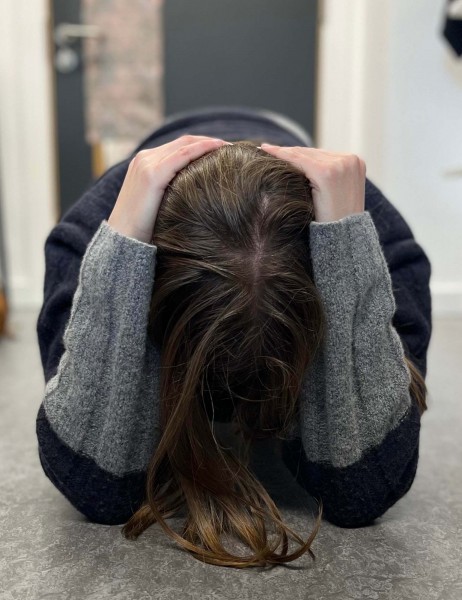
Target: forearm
<point>358,426</point>
<point>101,407</point>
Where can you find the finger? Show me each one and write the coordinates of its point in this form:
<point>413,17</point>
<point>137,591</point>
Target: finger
<point>165,149</point>
<point>160,152</point>
<point>315,152</point>
<point>182,156</point>
<point>292,154</point>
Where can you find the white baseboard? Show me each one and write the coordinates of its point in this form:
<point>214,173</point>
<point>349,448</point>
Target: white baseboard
<point>22,296</point>
<point>446,299</point>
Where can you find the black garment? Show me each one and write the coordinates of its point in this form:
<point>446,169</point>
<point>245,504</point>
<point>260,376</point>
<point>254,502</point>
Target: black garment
<point>452,28</point>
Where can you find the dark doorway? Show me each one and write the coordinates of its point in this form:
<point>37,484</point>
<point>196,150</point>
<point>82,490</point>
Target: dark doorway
<point>73,154</point>
<point>259,54</point>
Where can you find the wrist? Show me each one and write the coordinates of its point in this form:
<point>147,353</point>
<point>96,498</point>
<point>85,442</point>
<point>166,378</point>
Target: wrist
<point>128,231</point>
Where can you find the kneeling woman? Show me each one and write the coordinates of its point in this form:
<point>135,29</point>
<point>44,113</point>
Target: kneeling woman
<point>232,283</point>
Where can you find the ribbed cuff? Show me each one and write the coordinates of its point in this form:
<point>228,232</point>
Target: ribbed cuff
<point>347,259</point>
<point>105,263</point>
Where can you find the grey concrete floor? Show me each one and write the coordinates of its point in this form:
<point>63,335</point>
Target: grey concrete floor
<point>49,550</point>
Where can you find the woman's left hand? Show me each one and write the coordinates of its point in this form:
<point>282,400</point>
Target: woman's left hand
<point>338,181</point>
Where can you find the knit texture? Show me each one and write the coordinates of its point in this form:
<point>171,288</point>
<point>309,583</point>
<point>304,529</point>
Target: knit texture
<point>358,387</point>
<point>103,401</point>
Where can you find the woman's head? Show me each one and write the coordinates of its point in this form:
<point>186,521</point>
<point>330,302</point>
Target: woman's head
<point>233,290</point>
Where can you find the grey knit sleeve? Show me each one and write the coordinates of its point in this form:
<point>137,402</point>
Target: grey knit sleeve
<point>103,401</point>
<point>357,388</point>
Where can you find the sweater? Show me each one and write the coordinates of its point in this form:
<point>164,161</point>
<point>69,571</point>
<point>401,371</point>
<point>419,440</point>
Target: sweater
<point>356,443</point>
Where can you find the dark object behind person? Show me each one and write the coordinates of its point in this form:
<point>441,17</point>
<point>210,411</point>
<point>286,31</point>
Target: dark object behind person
<point>110,498</point>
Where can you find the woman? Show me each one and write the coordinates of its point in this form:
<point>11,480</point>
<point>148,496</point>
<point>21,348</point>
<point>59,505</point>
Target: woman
<point>201,281</point>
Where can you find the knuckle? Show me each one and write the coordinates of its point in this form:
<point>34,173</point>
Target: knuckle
<point>143,167</point>
<point>331,170</point>
<point>140,157</point>
<point>184,150</point>
<point>355,160</point>
<point>187,137</point>
<point>145,174</point>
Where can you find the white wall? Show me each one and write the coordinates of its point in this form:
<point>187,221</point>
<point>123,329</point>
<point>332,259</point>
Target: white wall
<point>391,91</point>
<point>424,140</point>
<point>27,163</point>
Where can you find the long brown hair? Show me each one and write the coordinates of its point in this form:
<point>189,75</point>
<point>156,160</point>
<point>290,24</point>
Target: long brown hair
<point>238,319</point>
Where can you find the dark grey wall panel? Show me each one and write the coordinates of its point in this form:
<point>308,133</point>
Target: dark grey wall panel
<point>258,53</point>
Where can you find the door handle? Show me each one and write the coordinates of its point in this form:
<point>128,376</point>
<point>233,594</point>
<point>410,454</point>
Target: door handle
<point>66,58</point>
<point>65,33</point>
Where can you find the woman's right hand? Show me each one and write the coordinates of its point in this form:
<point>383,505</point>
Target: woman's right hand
<point>149,173</point>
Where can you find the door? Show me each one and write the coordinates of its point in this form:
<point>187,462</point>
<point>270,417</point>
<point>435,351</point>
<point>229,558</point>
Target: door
<point>74,155</point>
<point>260,54</point>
